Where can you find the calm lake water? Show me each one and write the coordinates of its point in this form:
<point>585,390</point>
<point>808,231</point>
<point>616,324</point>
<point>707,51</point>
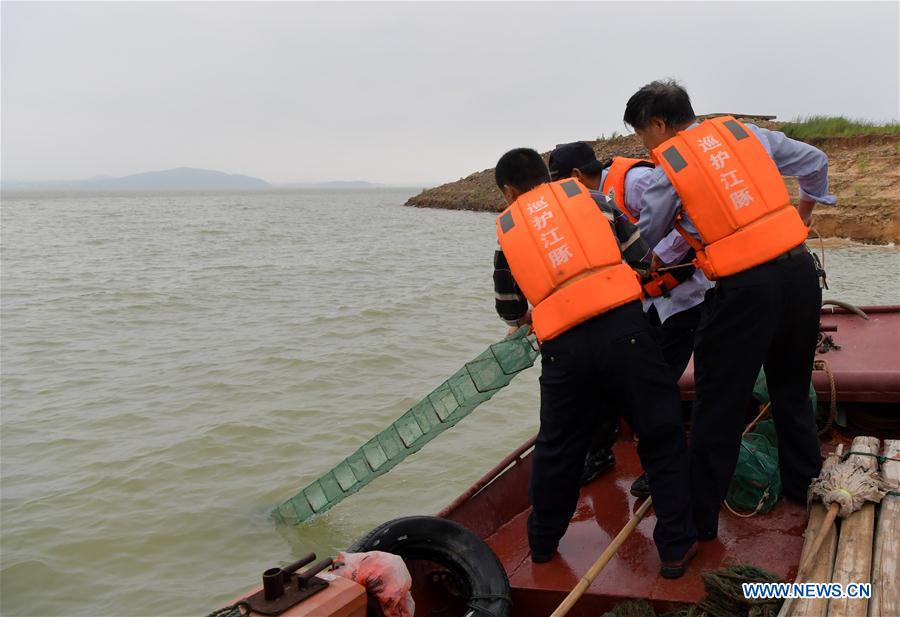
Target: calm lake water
<point>174,365</point>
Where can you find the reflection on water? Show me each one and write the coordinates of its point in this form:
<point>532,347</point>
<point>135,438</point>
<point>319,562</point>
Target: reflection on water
<point>175,365</point>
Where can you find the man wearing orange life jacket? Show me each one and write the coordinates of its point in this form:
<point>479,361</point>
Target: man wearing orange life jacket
<point>719,183</point>
<point>577,160</point>
<point>598,355</point>
<point>674,314</point>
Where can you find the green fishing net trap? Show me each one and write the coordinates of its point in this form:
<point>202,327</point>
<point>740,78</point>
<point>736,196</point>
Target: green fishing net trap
<point>453,400</point>
<point>756,485</point>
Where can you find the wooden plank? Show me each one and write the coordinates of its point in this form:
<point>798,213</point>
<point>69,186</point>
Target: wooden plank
<point>853,563</point>
<point>822,566</point>
<point>885,600</point>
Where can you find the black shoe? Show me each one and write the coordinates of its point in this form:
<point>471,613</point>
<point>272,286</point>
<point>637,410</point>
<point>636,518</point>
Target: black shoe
<point>676,569</point>
<point>706,536</point>
<point>596,464</point>
<point>542,557</point>
<point>640,488</point>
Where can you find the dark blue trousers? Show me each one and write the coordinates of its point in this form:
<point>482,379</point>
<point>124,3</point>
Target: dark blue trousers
<point>767,316</point>
<point>609,364</point>
<point>676,341</point>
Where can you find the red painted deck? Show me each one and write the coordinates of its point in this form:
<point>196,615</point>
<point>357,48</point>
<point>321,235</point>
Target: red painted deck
<point>772,541</point>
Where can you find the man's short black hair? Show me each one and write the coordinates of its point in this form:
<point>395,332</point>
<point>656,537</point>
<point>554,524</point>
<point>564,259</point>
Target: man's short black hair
<point>660,99</point>
<point>522,168</point>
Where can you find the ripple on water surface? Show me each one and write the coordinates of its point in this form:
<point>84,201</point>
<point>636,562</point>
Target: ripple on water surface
<point>174,365</point>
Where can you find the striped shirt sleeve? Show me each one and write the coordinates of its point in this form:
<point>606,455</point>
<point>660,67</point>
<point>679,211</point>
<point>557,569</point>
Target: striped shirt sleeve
<point>508,298</point>
<point>635,250</point>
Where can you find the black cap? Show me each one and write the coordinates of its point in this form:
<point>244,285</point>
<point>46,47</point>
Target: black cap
<point>567,157</point>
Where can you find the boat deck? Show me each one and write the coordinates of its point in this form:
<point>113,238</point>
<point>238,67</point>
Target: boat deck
<point>866,370</point>
<point>772,541</point>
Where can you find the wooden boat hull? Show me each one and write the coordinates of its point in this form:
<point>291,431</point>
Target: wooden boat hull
<point>866,368</point>
<point>866,374</point>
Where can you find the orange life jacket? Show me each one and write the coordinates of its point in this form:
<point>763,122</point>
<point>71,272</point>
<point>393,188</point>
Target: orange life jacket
<point>563,254</point>
<point>660,285</point>
<point>614,183</point>
<point>734,194</point>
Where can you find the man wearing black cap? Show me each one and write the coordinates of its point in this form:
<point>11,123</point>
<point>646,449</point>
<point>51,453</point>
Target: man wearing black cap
<point>676,335</point>
<point>576,160</point>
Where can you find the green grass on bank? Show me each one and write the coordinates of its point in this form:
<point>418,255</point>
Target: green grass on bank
<point>836,126</point>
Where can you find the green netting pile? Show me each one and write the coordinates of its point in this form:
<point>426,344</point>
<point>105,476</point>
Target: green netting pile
<point>756,484</point>
<point>450,402</point>
<point>632,608</point>
<point>725,594</point>
<point>724,597</point>
<point>761,390</point>
<point>766,428</point>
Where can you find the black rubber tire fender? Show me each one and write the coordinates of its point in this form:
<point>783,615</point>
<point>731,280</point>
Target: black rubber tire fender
<point>452,546</point>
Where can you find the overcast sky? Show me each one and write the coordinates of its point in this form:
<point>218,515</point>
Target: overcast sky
<point>404,93</point>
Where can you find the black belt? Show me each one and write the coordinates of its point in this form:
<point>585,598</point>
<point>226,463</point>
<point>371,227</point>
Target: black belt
<point>794,252</point>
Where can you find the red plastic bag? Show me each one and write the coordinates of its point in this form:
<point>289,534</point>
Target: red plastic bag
<point>384,576</point>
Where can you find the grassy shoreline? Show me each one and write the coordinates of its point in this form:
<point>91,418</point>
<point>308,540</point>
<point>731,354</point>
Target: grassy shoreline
<point>820,127</point>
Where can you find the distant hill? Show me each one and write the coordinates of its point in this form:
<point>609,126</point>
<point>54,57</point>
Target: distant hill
<point>180,178</point>
<point>335,184</point>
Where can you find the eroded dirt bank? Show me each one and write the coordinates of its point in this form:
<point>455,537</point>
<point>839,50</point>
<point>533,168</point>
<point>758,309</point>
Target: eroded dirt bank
<point>864,173</point>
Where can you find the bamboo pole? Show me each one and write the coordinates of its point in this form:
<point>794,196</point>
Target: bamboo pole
<point>601,562</point>
<point>821,561</point>
<point>807,563</point>
<point>853,563</point>
<point>885,599</point>
<point>762,414</point>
